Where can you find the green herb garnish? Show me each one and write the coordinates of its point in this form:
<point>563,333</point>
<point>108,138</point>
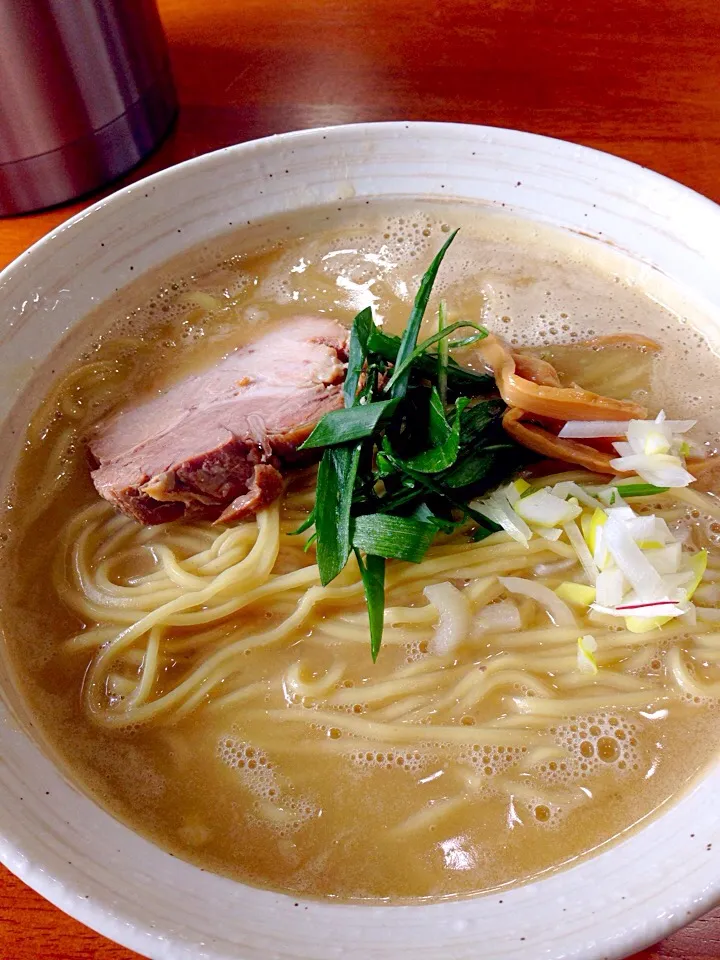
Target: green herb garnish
<point>340,426</point>
<point>417,439</point>
<point>639,490</point>
<point>333,503</point>
<point>372,571</point>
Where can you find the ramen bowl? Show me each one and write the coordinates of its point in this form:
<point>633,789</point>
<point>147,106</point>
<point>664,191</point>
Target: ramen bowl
<point>60,842</point>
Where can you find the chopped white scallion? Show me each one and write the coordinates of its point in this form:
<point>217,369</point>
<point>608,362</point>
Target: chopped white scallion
<point>513,491</point>
<point>559,612</point>
<point>639,528</point>
<point>587,646</point>
<point>640,431</point>
<point>544,509</point>
<point>572,531</point>
<point>548,533</point>
<point>654,449</point>
<point>567,488</point>
<point>454,621</point>
<point>502,615</point>
<point>628,556</point>
<point>633,429</point>
<point>609,588</point>
<point>621,511</point>
<point>662,531</point>
<point>552,569</point>
<point>666,559</point>
<point>662,470</point>
<point>611,496</point>
<point>593,429</point>
<point>497,507</point>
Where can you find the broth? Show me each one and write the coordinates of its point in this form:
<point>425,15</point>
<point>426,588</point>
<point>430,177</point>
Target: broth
<point>298,769</point>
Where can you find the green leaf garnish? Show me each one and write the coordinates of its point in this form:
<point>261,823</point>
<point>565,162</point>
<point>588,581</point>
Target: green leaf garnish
<point>396,538</point>
<point>351,423</point>
<point>459,379</point>
<point>439,337</point>
<point>424,513</point>
<point>305,525</point>
<point>333,502</point>
<point>443,355</point>
<point>372,571</point>
<point>397,470</point>
<point>434,487</point>
<point>639,489</point>
<point>362,327</point>
<point>408,340</point>
<point>444,454</point>
<point>438,425</point>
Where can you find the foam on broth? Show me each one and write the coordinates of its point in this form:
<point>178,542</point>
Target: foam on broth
<point>359,823</point>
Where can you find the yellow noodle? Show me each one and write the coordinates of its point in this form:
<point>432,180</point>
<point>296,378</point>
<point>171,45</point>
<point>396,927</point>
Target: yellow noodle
<point>503,678</point>
<point>603,678</point>
<point>241,695</point>
<point>685,680</point>
<point>389,689</point>
<point>542,707</point>
<point>402,708</point>
<point>314,687</point>
<point>396,732</point>
<point>149,668</point>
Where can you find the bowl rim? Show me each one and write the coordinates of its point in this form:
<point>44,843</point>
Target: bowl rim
<point>99,915</point>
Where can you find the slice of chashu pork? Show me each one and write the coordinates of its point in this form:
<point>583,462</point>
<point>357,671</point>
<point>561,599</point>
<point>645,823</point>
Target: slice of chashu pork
<point>215,444</point>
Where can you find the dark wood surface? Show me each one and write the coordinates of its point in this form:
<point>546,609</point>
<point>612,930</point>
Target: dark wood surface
<point>638,78</point>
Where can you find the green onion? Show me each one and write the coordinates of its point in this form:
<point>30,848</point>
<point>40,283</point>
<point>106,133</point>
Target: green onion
<point>396,470</point>
<point>443,354</point>
<point>372,571</point>
<point>459,379</point>
<point>424,513</point>
<point>351,423</point>
<point>444,454</point>
<point>480,334</point>
<point>305,525</point>
<point>438,425</point>
<point>362,327</point>
<point>438,337</point>
<point>408,340</point>
<point>333,502</point>
<point>437,489</point>
<point>397,538</point>
<point>639,489</point>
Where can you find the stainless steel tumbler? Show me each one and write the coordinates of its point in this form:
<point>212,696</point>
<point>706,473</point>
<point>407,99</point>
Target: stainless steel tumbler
<point>85,93</point>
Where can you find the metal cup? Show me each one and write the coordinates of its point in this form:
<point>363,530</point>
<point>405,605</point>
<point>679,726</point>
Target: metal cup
<point>85,93</point>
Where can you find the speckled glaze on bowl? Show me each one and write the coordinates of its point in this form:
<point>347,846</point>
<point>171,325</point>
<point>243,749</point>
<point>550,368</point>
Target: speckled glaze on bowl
<point>60,842</point>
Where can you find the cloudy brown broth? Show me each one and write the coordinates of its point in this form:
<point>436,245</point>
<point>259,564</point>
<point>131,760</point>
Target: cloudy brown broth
<point>319,807</point>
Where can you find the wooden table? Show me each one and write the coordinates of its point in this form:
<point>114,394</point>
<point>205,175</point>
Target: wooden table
<point>638,78</point>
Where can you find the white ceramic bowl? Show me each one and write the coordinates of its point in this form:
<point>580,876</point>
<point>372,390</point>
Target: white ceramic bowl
<point>91,866</point>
